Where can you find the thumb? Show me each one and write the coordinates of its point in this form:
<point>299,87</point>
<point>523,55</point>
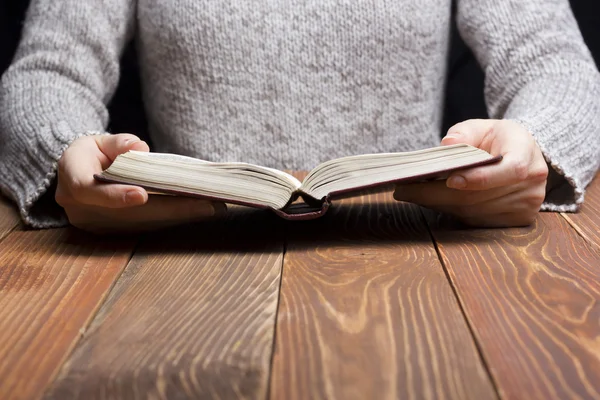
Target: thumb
<point>475,132</point>
<point>113,145</point>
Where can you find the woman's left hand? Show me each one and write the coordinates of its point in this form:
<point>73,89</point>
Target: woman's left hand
<point>508,193</point>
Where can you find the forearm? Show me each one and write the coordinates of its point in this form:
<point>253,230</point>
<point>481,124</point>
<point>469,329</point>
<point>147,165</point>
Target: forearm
<point>563,115</point>
<point>539,73</point>
<point>65,71</point>
<point>39,117</point>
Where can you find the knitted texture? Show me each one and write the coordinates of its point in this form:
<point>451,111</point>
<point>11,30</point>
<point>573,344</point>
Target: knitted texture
<point>290,84</point>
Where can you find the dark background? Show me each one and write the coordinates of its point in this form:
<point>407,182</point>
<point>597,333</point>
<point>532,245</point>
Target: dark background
<point>464,92</point>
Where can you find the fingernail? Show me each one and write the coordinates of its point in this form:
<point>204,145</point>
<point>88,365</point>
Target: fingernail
<point>456,182</point>
<point>132,197</point>
<point>452,135</point>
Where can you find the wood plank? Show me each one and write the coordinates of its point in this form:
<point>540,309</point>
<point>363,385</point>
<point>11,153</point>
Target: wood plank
<point>531,296</point>
<point>366,311</point>
<point>9,217</point>
<point>192,317</point>
<point>51,284</point>
<point>587,221</point>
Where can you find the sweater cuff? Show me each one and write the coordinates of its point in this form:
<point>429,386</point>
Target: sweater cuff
<point>562,113</point>
<point>41,114</point>
<point>32,168</point>
<point>570,170</point>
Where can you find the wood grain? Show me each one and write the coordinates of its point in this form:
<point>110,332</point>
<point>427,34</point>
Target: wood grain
<point>532,298</point>
<point>9,217</point>
<point>587,221</point>
<point>191,317</point>
<point>51,284</point>
<point>366,311</point>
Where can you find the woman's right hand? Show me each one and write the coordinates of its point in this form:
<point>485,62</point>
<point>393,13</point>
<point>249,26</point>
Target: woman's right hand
<point>102,207</point>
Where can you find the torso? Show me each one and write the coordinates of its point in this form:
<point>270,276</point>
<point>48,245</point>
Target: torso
<point>289,84</point>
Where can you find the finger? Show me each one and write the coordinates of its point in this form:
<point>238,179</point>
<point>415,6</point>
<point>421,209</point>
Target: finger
<point>108,195</point>
<point>435,194</point>
<point>521,202</point>
<point>477,133</point>
<point>518,164</point>
<point>76,174</point>
<point>513,168</point>
<point>474,132</point>
<point>113,145</point>
<point>174,208</point>
<point>159,212</point>
<point>521,160</point>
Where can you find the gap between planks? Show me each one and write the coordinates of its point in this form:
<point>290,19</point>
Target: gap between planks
<point>484,362</point>
<point>91,318</point>
<point>45,273</point>
<point>364,314</point>
<point>528,294</point>
<point>192,316</point>
<point>580,231</point>
<point>300,175</point>
<point>586,222</point>
<point>277,309</point>
<point>9,218</point>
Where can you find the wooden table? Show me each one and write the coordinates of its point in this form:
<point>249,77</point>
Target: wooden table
<point>377,300</point>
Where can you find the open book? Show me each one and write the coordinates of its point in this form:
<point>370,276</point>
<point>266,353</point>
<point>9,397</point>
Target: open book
<point>262,187</point>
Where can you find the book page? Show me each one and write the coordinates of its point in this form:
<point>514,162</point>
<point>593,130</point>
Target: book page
<point>239,183</point>
<point>234,165</point>
<point>354,172</point>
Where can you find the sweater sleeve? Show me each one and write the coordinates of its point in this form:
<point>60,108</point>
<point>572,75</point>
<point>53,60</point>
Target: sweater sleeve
<point>539,72</point>
<point>64,72</point>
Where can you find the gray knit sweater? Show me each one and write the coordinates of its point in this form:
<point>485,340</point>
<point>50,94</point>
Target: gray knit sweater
<point>289,84</point>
